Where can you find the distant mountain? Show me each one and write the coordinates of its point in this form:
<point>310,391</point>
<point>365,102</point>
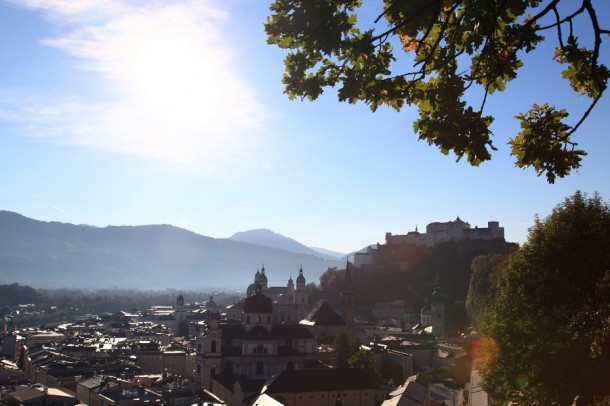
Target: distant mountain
<point>328,253</point>
<point>268,238</point>
<point>53,254</point>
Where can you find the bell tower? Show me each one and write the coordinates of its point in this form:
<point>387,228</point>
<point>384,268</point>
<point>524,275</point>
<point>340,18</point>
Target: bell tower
<point>347,296</point>
<point>209,353</point>
<point>301,297</point>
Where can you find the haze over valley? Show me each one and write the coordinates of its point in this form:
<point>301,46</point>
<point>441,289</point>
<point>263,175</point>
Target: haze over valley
<point>61,255</point>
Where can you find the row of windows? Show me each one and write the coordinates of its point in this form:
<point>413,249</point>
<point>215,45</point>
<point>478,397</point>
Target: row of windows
<point>260,368</point>
<point>259,319</point>
<point>343,395</point>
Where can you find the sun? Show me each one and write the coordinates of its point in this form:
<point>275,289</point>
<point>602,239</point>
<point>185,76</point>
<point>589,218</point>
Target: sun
<point>174,77</point>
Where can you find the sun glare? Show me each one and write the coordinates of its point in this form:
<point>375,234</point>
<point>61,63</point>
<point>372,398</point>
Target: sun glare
<point>171,77</point>
<point>182,98</point>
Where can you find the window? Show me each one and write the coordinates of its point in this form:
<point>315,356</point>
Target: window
<point>213,346</point>
<point>212,374</point>
<point>259,368</point>
<point>248,319</point>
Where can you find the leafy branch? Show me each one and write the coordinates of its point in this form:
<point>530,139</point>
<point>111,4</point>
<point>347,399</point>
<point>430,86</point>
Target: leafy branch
<point>327,48</point>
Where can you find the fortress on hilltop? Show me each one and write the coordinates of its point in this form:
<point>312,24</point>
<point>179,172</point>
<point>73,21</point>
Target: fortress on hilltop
<point>436,233</point>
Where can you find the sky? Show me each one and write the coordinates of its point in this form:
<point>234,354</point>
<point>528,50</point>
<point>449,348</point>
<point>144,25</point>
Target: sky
<point>140,112</point>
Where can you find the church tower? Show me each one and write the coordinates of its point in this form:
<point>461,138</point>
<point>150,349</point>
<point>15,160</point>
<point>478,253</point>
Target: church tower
<point>263,280</point>
<point>439,297</point>
<point>301,297</point>
<point>290,285</point>
<point>179,314</point>
<point>209,353</point>
<point>347,296</point>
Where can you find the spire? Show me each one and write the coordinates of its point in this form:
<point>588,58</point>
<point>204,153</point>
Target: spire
<point>301,278</point>
<point>263,278</point>
<point>348,297</point>
<point>348,275</point>
<point>438,294</point>
<point>290,285</point>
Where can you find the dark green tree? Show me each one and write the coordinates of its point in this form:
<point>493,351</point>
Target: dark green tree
<point>455,47</point>
<point>331,279</point>
<point>391,373</point>
<point>548,331</point>
<point>481,290</point>
<point>342,351</point>
<point>365,359</point>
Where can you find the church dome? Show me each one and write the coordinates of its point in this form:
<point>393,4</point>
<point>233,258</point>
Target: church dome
<point>210,303</point>
<point>258,303</point>
<point>263,278</point>
<point>300,278</point>
<point>259,333</point>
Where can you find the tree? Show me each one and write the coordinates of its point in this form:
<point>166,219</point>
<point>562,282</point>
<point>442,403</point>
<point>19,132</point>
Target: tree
<point>365,360</point>
<point>481,290</point>
<point>455,47</point>
<point>548,330</point>
<point>332,281</point>
<point>391,373</point>
<point>342,351</point>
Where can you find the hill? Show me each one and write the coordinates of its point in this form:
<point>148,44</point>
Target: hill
<point>268,238</point>
<point>407,272</point>
<point>53,254</point>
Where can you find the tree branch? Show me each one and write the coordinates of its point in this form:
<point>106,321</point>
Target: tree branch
<point>403,23</point>
<point>566,19</point>
<point>584,116</point>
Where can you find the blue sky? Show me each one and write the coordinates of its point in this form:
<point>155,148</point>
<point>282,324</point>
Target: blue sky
<point>172,112</point>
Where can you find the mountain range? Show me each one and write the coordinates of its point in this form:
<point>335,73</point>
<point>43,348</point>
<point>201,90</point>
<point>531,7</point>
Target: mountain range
<point>57,255</point>
<point>268,238</point>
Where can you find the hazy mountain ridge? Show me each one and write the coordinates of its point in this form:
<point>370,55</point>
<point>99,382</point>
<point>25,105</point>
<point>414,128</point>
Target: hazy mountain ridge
<point>53,254</point>
<point>268,238</point>
<point>328,253</point>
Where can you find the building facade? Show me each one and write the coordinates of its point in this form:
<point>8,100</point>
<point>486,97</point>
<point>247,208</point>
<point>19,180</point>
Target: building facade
<point>257,347</point>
